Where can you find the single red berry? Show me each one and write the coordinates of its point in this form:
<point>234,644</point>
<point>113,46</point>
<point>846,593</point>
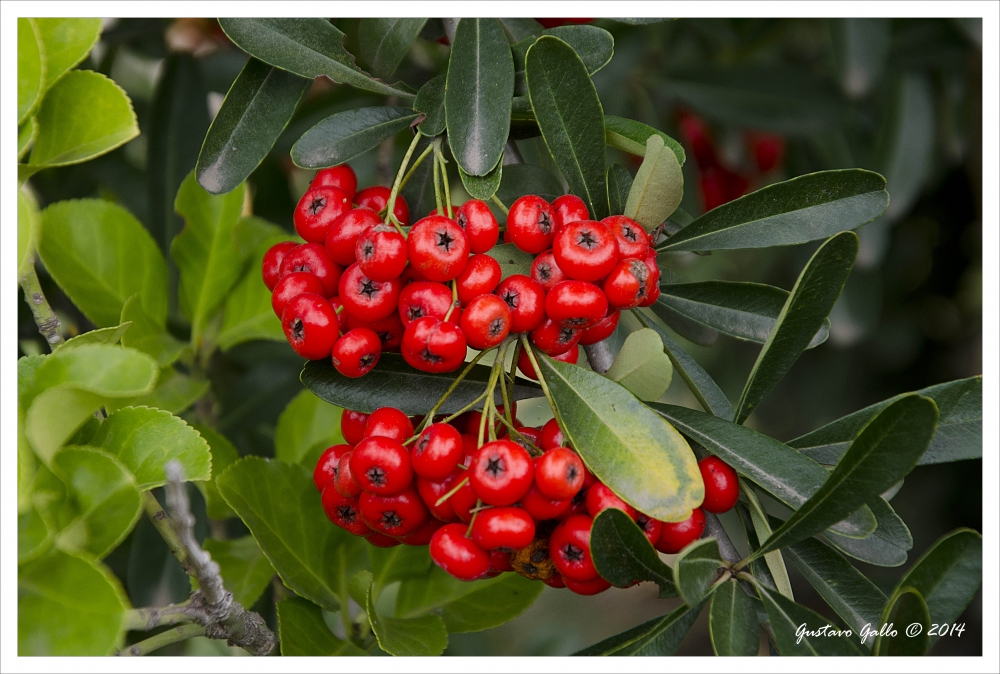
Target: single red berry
<point>310,325</point>
<point>480,225</point>
<point>326,467</point>
<point>434,211</point>
<point>342,177</point>
<point>426,298</point>
<point>431,491</point>
<point>631,238</point>
<point>312,258</point>
<point>317,210</point>
<point>501,472</point>
<point>464,500</point>
<point>431,345</point>
<point>626,285</point>
<point>381,252</point>
<point>600,330</point>
<point>577,504</point>
<point>352,426</point>
<point>500,561</point>
<point>457,555</point>
<point>411,275</point>
<point>541,507</point>
<point>569,208</point>
<point>555,581</point>
<point>389,329</point>
<point>481,276</point>
<point>531,224</point>
<point>486,322</point>
<point>552,436</point>
<point>344,512</point>
<point>271,263</point>
<point>395,515</point>
<point>377,198</point>
<point>675,536</point>
<point>553,339</point>
<point>569,548</point>
<point>526,299</point>
<point>291,286</point>
<point>381,466</point>
<point>344,482</point>
<point>652,280</point>
<point>356,353</point>
<point>546,272</point>
<point>576,304</point>
<point>528,434</point>
<point>424,534</point>
<point>365,298</point>
<point>438,248</point>
<point>381,540</point>
<point>600,498</point>
<point>650,527</point>
<point>342,238</point>
<point>437,451</point>
<point>389,422</point>
<point>722,485</point>
<point>559,473</point>
<point>342,316</point>
<point>585,250</point>
<point>507,528</point>
<point>587,587</point>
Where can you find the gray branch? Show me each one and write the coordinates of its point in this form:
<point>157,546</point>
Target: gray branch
<point>713,527</point>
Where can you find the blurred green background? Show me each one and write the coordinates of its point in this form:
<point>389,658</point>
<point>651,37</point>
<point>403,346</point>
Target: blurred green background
<point>754,101</point>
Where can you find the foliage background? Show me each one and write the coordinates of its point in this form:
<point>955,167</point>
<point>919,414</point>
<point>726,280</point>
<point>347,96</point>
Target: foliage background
<point>910,315</point>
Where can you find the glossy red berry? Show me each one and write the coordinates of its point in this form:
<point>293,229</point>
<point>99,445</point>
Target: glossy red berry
<point>600,330</point>
<point>356,353</point>
<point>342,238</point>
<point>525,298</point>
<point>531,224</point>
<point>722,485</point>
<point>389,329</point>
<point>317,210</point>
<point>626,285</point>
<point>541,507</point>
<point>457,555</point>
<point>344,481</point>
<point>426,298</point>
<point>341,177</point>
<point>552,436</point>
<point>389,422</point>
<point>501,472</point>
<point>431,345</point>
<point>481,276</point>
<point>600,498</point>
<point>464,500</point>
<point>438,248</point>
<point>326,467</point>
<point>365,298</point>
<point>675,536</point>
<point>507,528</point>
<point>342,511</point>
<point>271,263</point>
<point>291,286</point>
<point>555,581</point>
<point>585,250</point>
<point>650,527</point>
<point>377,198</point>
<point>381,466</point>
<point>652,280</point>
<point>395,515</point>
<point>559,473</point>
<point>527,435</point>
<point>569,548</point>
<point>500,561</point>
<point>479,224</point>
<point>553,339</point>
<point>312,258</point>
<point>587,587</point>
<point>381,252</point>
<point>437,452</point>
<point>577,504</point>
<point>486,322</point>
<point>310,325</point>
<point>352,426</point>
<point>546,271</point>
<point>424,534</point>
<point>569,208</point>
<point>576,304</point>
<point>431,491</point>
<point>631,238</point>
<point>381,540</point>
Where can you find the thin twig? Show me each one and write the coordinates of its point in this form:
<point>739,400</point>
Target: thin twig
<point>45,318</point>
<point>158,641</point>
<point>714,528</point>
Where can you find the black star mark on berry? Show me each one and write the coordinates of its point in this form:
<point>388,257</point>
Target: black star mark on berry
<point>571,473</point>
<point>572,553</point>
<point>544,272</point>
<point>414,312</point>
<point>390,519</point>
<point>510,297</point>
<point>347,513</point>
<point>432,358</point>
<point>317,205</point>
<point>367,360</point>
<point>376,476</point>
<point>444,241</point>
<point>496,327</point>
<point>495,467</point>
<point>587,240</point>
<point>368,288</point>
<point>544,223</point>
<point>298,330</point>
<point>367,250</point>
<point>566,335</point>
<point>629,233</point>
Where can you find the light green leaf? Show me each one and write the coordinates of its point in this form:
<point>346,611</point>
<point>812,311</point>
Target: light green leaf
<point>695,568</point>
<point>175,392</point>
<point>67,42</point>
<point>33,536</point>
<point>642,366</point>
<point>26,136</point>
<point>425,635</point>
<point>247,313</point>
<point>383,42</point>
<point>491,604</point>
<point>905,150</point>
<point>631,136</point>
<point>27,227</point>
<point>54,416</point>
<point>30,67</point>
<point>907,607</point>
<point>482,187</point>
<point>149,335</point>
<point>345,135</point>
<point>306,422</point>
<point>624,556</point>
<point>244,568</point>
<point>302,631</point>
<point>397,563</point>
<point>732,621</point>
<point>787,617</point>
<point>775,562</point>
<point>99,336</point>
<point>430,101</point>
<point>223,456</point>
<point>659,636</point>
<point>658,186</point>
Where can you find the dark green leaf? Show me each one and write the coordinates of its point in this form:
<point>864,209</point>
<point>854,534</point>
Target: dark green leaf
<point>684,326</point>
<point>619,185</point>
<point>256,110</point>
<point>860,48</point>
<point>642,366</point>
<point>519,29</point>
<point>905,150</point>
<point>302,631</point>
<point>623,555</point>
<point>30,67</point>
<point>732,621</point>
<point>906,608</point>
<point>659,636</point>
<point>383,42</point>
<point>419,190</point>
<point>817,637</point>
<point>810,207</point>
<point>245,570</point>
<point>396,384</point>
<point>521,179</point>
<point>397,563</point>
<point>425,635</point>
<point>344,135</point>
<point>482,187</point>
<point>477,95</point>
<point>888,545</point>
<point>491,604</point>
<point>306,422</point>
<point>430,101</point>
<point>804,314</point>
<point>695,568</point>
<point>570,117</point>
<point>630,136</point>
<point>595,47</point>
<point>658,186</point>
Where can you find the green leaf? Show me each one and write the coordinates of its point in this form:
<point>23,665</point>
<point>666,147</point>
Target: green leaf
<point>905,150</point>
<point>83,115</point>
<point>69,605</point>
<point>908,608</point>
<point>658,637</point>
<point>27,227</point>
<point>482,187</point>
<point>383,42</point>
<point>810,207</point>
<point>33,536</point>
<point>100,336</point>
<point>344,135</point>
<point>175,392</point>
<point>746,311</point>
<point>306,47</point>
<point>684,326</point>
<point>619,185</point>
<point>642,366</point>
<point>695,568</point>
<point>425,635</point>
<point>595,47</point>
<point>67,42</point>
<point>477,95</point>
<point>305,423</point>
<point>26,136</point>
<point>571,118</point>
<point>518,29</point>
<point>773,560</point>
<point>244,568</point>
<point>631,136</point>
<point>393,383</point>
<point>203,251</point>
<point>887,449</point>
<point>397,563</point>
<point>430,101</point>
<point>223,456</point>
<point>732,621</point>
<point>302,631</point>
<point>100,255</point>
<point>787,617</point>
<point>30,67</point>
<point>784,473</point>
<point>491,604</point>
<point>860,49</point>
<point>888,545</point>
<point>146,439</point>
<point>658,186</point>
<point>959,431</point>
<point>623,555</point>
<point>256,110</point>
<point>630,448</point>
<point>805,311</point>
<point>148,334</point>
<point>521,179</point>
<point>279,504</point>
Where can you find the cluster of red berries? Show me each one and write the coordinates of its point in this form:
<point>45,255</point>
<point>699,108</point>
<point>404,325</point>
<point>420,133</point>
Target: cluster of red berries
<point>484,510</point>
<point>360,286</point>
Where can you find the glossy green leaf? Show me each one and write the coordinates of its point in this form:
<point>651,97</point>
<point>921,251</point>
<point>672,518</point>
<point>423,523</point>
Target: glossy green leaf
<point>888,545</point>
<point>82,116</point>
<point>256,110</point>
<point>959,431</point>
<point>302,631</point>
<point>27,227</point>
<point>496,602</point>
<point>860,49</point>
<point>223,456</point>
<point>570,117</point>
<point>279,504</point>
<point>425,635</point>
<point>595,47</point>
<point>685,327</point>
<point>30,67</point>
<point>307,47</point>
<point>658,637</point>
<point>99,336</point>
<point>885,451</point>
<point>148,334</point>
<point>520,28</point>
<point>642,366</point>
<point>398,563</point>
<point>630,448</point>
<point>810,207</point>
<point>305,423</point>
<point>146,439</point>
<point>55,415</point>
<point>482,187</point>
<point>383,42</point>
<point>695,568</point>
<point>33,536</point>
<point>817,638</point>
<point>521,179</point>
<point>430,101</point>
<point>100,255</point>
<point>69,605</point>
<point>803,315</point>
<point>908,608</point>
<point>619,185</point>
<point>175,392</point>
<point>631,136</point>
<point>477,95</point>
<point>244,568</point>
<point>658,186</point>
<point>623,555</point>
<point>26,136</point>
<point>344,135</point>
<point>393,383</point>
<point>203,251</point>
<point>67,42</point>
<point>732,621</point>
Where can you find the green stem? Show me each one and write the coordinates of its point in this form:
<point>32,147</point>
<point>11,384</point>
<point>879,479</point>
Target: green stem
<point>538,371</point>
<point>143,619</point>
<point>444,183</point>
<point>496,200</point>
<point>158,516</point>
<point>522,439</point>
<point>416,164</point>
<point>454,300</point>
<point>428,420</point>
<point>45,318</point>
<point>391,205</point>
<point>465,409</point>
<point>451,492</point>
<point>475,512</point>
<point>158,641</point>
<point>437,186</point>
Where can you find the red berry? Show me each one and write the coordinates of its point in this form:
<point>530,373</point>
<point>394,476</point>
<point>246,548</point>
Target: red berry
<point>344,482</point>
<point>675,536</point>
<point>431,345</point>
<point>458,555</point>
<point>424,534</point>
<point>326,467</point>
<point>381,252</point>
<point>291,286</point>
<point>601,330</point>
<point>377,198</point>
<point>430,491</point>
<point>500,561</point>
<point>352,426</point>
<point>526,299</point>
<point>344,512</point>
<point>481,276</point>
<point>312,258</point>
<point>768,150</point>
<point>722,485</point>
<point>365,298</point>
<point>531,224</point>
<point>585,250</point>
<point>569,548</point>
<point>381,466</point>
<point>532,435</point>
<point>555,580</point>
<point>587,587</point>
<point>381,540</point>
<point>317,210</point>
<point>464,500</point>
<point>470,421</point>
<point>356,353</point>
<point>527,369</point>
<point>553,339</point>
<point>626,285</point>
<point>652,280</point>
<point>342,238</point>
<point>576,304</point>
<point>389,422</point>
<point>486,322</point>
<point>310,325</point>
<point>342,177</point>
<point>480,225</point>
<point>395,515</point>
<point>569,208</point>
<point>507,528</point>
<point>559,473</point>
<point>541,507</point>
<point>501,472</point>
<point>389,329</point>
<point>650,527</point>
<point>552,436</point>
<point>426,298</point>
<point>546,272</point>
<point>438,248</point>
<point>271,263</point>
<point>437,452</point>
<point>577,504</point>
<point>600,498</point>
<point>631,238</point>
